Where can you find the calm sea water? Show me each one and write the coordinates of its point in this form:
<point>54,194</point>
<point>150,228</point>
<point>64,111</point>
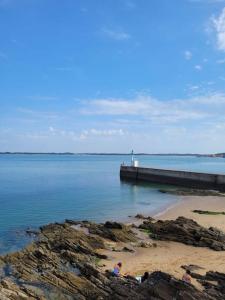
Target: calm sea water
<point>38,189</point>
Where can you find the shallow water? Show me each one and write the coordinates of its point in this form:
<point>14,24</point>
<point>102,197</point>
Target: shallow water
<point>38,189</point>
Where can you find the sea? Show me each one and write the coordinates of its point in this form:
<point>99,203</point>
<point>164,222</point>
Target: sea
<point>36,189</point>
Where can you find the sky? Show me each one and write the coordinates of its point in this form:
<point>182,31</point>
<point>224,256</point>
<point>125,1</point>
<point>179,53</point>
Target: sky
<point>112,75</point>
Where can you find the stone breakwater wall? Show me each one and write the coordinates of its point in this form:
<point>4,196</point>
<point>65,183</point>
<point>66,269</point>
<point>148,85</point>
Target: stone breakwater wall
<point>173,177</point>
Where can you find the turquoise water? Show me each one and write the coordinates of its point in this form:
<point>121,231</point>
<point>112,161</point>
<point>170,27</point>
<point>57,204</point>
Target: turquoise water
<point>38,189</point>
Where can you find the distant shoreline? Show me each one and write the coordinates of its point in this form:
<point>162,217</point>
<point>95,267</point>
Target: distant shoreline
<point>222,155</point>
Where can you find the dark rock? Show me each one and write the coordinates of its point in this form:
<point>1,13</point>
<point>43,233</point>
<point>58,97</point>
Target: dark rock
<point>113,231</point>
<point>186,231</point>
<point>191,192</point>
<point>126,249</point>
<point>191,268</point>
<point>113,225</point>
<point>32,232</point>
<point>208,212</point>
<point>165,287</point>
<point>72,222</point>
<point>142,217</point>
<point>63,264</point>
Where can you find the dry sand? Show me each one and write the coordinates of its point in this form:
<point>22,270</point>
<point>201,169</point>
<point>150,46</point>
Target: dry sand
<point>170,256</point>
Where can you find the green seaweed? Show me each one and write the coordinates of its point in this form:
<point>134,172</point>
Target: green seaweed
<point>191,192</point>
<point>207,212</point>
<point>147,231</point>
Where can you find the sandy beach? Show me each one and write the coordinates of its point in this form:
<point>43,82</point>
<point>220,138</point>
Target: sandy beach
<point>170,256</point>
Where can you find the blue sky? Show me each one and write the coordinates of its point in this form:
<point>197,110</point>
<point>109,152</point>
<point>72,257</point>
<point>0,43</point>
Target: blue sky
<point>112,75</point>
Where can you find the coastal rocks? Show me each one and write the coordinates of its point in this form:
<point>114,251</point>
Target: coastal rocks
<point>10,291</point>
<point>113,225</point>
<point>208,212</point>
<point>56,262</point>
<point>146,244</point>
<point>63,264</point>
<point>165,287</point>
<point>214,289</point>
<point>214,282</point>
<point>124,249</point>
<point>142,217</point>
<point>113,231</point>
<point>31,232</point>
<point>192,192</point>
<point>186,231</point>
<point>93,285</point>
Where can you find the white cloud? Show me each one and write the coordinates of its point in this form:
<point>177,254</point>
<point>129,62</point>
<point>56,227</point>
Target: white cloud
<point>85,133</point>
<point>118,35</point>
<point>193,124</point>
<point>193,87</point>
<point>187,55</point>
<point>102,132</point>
<point>153,110</point>
<point>198,67</point>
<point>145,110</point>
<point>219,27</point>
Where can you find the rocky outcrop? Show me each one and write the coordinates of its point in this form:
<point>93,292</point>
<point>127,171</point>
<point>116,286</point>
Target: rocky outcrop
<point>214,282</point>
<point>142,217</point>
<point>62,264</point>
<point>186,231</point>
<point>114,231</point>
<point>165,287</point>
<point>192,192</point>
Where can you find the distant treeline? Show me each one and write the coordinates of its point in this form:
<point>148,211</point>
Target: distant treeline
<point>149,154</point>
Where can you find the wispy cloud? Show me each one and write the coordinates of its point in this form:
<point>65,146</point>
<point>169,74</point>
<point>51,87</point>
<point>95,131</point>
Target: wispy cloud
<point>187,55</point>
<point>101,133</point>
<point>198,67</point>
<point>170,125</point>
<point>118,35</point>
<point>193,87</point>
<point>156,111</point>
<point>85,133</point>
<point>219,27</point>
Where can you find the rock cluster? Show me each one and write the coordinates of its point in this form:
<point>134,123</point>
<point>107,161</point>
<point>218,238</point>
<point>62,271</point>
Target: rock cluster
<point>214,282</point>
<point>186,231</point>
<point>192,192</point>
<point>62,264</point>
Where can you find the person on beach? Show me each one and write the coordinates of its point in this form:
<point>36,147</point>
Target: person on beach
<point>144,277</point>
<point>187,277</point>
<point>117,269</point>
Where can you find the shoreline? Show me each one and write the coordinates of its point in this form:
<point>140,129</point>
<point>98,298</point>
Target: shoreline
<point>72,258</point>
<point>169,256</point>
<point>189,203</point>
